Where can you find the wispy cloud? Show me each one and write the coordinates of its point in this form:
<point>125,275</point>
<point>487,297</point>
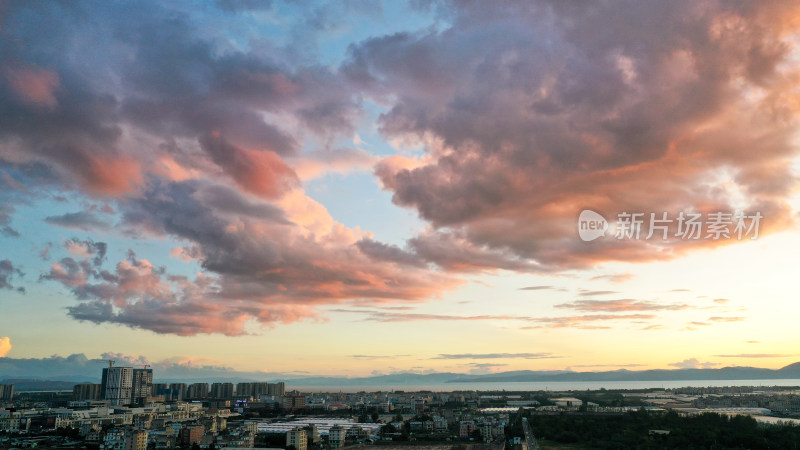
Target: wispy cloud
<point>8,272</point>
<point>594,293</point>
<point>377,356</point>
<point>693,363</point>
<point>601,366</point>
<point>537,288</point>
<point>482,368</point>
<point>496,356</point>
<point>586,321</point>
<point>614,277</point>
<point>82,220</point>
<point>727,319</point>
<point>577,321</point>
<point>621,305</point>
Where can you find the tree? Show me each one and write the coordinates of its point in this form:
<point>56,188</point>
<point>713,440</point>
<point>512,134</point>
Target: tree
<point>388,429</point>
<point>477,436</point>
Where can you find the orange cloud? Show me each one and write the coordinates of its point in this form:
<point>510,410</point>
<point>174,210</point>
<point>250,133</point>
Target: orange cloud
<point>5,346</point>
<point>261,172</point>
<point>727,319</point>
<point>111,175</point>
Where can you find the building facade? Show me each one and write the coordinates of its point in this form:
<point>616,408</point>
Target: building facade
<point>221,391</point>
<point>117,385</point>
<point>297,439</point>
<point>142,387</point>
<point>336,436</point>
<point>197,391</point>
<point>6,391</point>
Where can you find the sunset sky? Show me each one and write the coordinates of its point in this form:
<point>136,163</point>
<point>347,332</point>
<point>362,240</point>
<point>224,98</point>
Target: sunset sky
<point>359,187</point>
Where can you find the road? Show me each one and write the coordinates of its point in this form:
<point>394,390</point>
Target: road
<point>530,439</point>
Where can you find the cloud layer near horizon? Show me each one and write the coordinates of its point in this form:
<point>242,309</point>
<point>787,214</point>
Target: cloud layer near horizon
<point>527,112</point>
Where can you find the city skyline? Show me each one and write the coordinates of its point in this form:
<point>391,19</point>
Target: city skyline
<point>366,188</point>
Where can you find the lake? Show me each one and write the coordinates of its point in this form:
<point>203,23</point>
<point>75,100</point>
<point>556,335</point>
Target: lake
<point>547,385</point>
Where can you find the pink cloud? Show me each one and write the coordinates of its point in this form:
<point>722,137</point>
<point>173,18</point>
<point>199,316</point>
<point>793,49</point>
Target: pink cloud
<point>34,85</point>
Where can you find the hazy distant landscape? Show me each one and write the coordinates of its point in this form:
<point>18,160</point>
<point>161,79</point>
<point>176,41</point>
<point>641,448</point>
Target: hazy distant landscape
<point>31,377</point>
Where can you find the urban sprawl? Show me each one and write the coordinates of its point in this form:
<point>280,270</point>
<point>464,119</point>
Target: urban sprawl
<point>127,410</point>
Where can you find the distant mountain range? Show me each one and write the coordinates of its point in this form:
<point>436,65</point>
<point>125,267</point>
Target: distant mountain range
<point>64,378</point>
<point>727,373</point>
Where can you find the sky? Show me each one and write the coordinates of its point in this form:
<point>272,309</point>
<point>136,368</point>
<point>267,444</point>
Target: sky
<point>363,187</point>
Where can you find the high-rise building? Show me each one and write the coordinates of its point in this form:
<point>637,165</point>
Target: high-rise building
<point>221,391</point>
<point>86,391</point>
<point>6,391</point>
<point>245,389</point>
<point>259,389</point>
<point>276,388</point>
<point>142,386</point>
<point>197,391</point>
<point>256,390</point>
<point>160,391</point>
<point>178,391</point>
<point>297,439</point>
<point>117,385</point>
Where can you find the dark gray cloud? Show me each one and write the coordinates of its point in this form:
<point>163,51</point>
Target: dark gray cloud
<point>5,221</point>
<point>385,252</point>
<point>81,220</point>
<point>8,272</point>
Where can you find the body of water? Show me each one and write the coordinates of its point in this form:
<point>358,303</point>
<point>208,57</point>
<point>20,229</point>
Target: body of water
<point>547,385</point>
